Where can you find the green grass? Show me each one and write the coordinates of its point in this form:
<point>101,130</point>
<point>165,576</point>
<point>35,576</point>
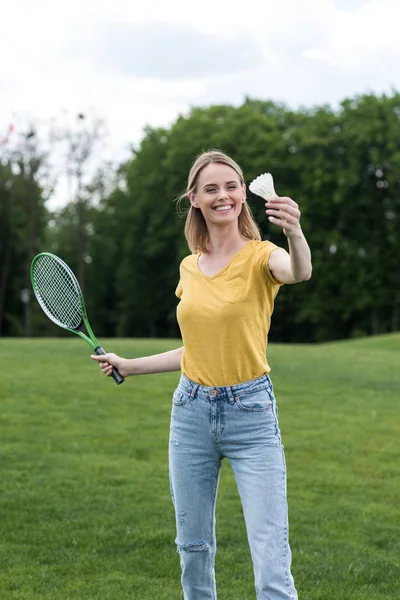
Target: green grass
<point>85,510</point>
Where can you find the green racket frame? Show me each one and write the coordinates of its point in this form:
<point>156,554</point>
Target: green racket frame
<point>84,322</point>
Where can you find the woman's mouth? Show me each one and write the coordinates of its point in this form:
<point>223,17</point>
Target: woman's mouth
<point>223,207</point>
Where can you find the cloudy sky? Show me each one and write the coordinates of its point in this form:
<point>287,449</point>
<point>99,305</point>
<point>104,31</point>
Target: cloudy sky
<point>145,62</point>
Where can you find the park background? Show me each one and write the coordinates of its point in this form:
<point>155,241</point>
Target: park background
<point>95,149</point>
<point>122,233</point>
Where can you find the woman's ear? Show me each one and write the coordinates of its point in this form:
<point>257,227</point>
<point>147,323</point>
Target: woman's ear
<point>192,199</point>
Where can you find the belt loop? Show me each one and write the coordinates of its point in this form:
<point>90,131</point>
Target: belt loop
<point>230,395</point>
<point>195,387</point>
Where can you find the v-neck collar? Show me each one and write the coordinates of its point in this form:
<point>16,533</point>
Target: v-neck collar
<point>228,264</point>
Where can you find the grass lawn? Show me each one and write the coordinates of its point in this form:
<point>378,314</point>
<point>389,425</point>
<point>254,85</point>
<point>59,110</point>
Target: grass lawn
<point>85,510</point>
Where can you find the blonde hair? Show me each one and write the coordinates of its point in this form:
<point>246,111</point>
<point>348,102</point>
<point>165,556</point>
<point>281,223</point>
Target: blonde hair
<point>196,232</point>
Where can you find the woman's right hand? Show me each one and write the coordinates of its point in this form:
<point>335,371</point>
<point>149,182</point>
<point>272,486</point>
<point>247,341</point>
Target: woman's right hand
<point>109,360</point>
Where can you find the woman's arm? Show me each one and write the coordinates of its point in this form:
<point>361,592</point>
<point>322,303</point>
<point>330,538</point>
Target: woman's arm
<point>157,363</point>
<point>296,265</point>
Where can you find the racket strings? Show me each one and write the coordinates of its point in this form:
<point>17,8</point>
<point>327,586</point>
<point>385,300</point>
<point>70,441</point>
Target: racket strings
<point>57,292</point>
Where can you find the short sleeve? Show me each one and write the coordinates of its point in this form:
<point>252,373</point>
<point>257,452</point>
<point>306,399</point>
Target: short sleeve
<point>179,290</point>
<point>268,248</point>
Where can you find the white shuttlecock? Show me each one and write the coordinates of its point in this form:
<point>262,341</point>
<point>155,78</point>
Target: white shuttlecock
<point>263,186</point>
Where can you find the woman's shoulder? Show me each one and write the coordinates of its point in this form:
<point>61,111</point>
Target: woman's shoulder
<point>189,260</point>
<point>263,248</point>
<point>262,244</point>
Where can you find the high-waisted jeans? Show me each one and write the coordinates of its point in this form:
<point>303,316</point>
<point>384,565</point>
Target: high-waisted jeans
<point>239,422</point>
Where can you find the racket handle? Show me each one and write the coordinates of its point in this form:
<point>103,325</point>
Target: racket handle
<point>115,373</point>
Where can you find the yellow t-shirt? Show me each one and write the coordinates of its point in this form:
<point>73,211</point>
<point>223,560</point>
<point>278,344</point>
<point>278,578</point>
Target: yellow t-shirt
<point>225,319</point>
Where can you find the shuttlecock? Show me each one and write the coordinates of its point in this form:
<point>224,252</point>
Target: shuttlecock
<point>263,186</point>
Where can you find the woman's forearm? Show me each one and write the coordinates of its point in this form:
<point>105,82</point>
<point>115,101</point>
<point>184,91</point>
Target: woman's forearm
<point>157,363</point>
<point>300,257</point>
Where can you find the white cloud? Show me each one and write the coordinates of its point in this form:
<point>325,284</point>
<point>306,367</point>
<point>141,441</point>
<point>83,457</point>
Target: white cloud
<point>160,50</point>
<point>297,51</point>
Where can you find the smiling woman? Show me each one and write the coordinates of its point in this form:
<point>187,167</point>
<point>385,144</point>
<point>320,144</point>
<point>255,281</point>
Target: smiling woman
<point>224,405</point>
<point>216,185</point>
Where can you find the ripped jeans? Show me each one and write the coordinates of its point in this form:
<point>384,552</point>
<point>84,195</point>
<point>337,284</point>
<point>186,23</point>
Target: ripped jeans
<point>239,422</point>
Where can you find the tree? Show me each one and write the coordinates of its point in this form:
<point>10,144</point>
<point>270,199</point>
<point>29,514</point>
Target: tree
<point>23,219</point>
<point>122,234</point>
<point>79,143</point>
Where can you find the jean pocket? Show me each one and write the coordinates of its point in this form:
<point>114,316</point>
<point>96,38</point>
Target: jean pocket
<point>259,401</point>
<point>179,398</point>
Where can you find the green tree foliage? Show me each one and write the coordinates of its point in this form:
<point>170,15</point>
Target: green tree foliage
<point>150,234</point>
<point>341,166</point>
<point>23,220</point>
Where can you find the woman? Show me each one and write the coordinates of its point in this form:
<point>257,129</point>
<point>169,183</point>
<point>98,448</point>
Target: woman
<point>224,405</point>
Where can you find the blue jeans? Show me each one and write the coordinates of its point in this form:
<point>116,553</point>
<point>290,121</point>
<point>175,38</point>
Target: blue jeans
<point>239,422</point>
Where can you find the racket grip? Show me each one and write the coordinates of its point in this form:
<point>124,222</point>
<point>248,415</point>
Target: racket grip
<point>115,373</point>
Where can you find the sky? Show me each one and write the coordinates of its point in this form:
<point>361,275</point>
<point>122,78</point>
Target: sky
<point>144,63</point>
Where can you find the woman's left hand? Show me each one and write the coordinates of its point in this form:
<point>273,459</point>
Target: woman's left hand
<point>284,212</point>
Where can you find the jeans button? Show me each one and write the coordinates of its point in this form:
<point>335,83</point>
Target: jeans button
<point>213,393</point>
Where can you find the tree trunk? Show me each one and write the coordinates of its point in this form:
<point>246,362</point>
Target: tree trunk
<point>4,279</point>
<point>81,244</point>
<point>374,323</point>
<point>6,266</point>
<point>31,251</point>
<point>396,313</point>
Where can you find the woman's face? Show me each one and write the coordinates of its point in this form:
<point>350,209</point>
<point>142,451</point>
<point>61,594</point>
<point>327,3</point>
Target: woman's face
<point>219,194</point>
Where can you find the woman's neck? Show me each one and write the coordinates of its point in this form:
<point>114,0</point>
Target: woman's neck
<point>225,245</point>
